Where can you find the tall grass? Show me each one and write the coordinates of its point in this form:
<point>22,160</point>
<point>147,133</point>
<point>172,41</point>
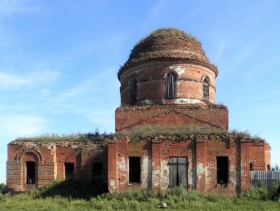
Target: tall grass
<point>176,199</point>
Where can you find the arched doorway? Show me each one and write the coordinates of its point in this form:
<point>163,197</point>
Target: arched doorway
<point>29,162</point>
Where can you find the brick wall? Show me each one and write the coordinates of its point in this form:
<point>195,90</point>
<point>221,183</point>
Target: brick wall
<point>151,76</point>
<point>50,162</point>
<point>201,153</point>
<point>215,117</point>
<point>259,156</point>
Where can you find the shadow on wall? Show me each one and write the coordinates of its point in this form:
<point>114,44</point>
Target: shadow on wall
<point>70,188</point>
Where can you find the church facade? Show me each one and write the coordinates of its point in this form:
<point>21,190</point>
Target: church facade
<point>169,131</point>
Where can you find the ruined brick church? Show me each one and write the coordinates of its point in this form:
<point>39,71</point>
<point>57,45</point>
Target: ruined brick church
<point>169,131</point>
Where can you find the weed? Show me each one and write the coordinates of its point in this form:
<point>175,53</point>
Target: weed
<point>178,199</point>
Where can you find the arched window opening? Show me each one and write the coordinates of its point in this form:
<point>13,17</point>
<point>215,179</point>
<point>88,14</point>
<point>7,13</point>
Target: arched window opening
<point>133,91</point>
<point>30,172</point>
<point>206,84</point>
<point>171,85</point>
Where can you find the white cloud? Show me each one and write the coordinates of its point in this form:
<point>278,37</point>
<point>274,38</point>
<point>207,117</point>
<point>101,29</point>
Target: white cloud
<point>8,7</point>
<point>154,13</point>
<point>93,85</point>
<point>45,92</point>
<point>13,126</point>
<point>45,76</point>
<point>234,63</point>
<point>260,68</point>
<point>102,117</point>
<point>9,81</point>
<point>93,99</point>
<point>16,81</point>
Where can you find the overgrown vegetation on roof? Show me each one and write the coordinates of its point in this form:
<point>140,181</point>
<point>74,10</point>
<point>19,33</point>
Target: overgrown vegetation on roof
<point>158,132</point>
<point>146,132</point>
<point>173,42</point>
<point>79,137</point>
<point>163,32</point>
<point>169,132</point>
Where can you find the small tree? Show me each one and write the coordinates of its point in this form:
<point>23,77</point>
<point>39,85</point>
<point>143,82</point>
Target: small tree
<point>276,168</point>
<point>2,185</point>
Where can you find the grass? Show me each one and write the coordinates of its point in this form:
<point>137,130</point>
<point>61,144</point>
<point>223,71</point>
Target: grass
<point>145,132</point>
<point>79,137</point>
<point>141,51</point>
<point>164,32</point>
<point>176,199</point>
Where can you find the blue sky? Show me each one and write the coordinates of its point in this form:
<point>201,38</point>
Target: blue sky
<point>59,60</point>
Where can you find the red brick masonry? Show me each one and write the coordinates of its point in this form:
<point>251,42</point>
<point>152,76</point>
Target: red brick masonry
<point>212,116</point>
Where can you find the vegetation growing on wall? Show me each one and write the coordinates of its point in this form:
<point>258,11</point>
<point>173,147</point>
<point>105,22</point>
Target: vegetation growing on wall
<point>172,42</point>
<point>79,137</point>
<point>164,32</point>
<point>169,132</point>
<point>146,132</point>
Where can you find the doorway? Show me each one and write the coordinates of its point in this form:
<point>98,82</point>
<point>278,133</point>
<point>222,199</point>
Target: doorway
<point>178,171</point>
<point>30,173</point>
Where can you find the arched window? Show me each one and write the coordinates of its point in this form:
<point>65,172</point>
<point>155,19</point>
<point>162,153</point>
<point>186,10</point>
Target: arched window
<point>171,85</point>
<point>206,83</point>
<point>133,91</point>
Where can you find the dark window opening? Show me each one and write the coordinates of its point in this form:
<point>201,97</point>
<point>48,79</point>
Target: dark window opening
<point>133,91</point>
<point>97,173</point>
<point>251,166</point>
<point>30,172</point>
<point>171,85</point>
<point>206,83</point>
<point>178,171</point>
<point>69,170</point>
<point>134,170</point>
<point>222,170</point>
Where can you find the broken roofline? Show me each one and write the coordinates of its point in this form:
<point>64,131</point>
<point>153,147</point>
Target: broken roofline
<point>147,132</point>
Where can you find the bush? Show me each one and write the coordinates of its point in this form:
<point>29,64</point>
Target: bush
<point>176,199</point>
<point>275,191</point>
<point>2,185</point>
<point>256,193</point>
<point>71,189</point>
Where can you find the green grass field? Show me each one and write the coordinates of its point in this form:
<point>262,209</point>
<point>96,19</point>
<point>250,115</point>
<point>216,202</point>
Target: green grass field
<point>50,198</point>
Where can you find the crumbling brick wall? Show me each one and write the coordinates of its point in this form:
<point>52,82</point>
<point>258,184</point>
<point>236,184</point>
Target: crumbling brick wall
<point>50,159</point>
<point>201,151</point>
<point>211,116</point>
<point>151,85</point>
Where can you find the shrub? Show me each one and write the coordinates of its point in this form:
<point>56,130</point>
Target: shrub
<point>2,185</point>
<point>71,189</point>
<point>275,191</point>
<point>256,193</point>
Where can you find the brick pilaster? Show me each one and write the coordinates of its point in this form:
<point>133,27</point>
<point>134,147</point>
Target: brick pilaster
<point>200,164</point>
<point>244,164</point>
<point>156,165</point>
<point>112,167</point>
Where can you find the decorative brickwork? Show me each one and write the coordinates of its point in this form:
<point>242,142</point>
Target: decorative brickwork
<point>50,159</point>
<point>212,116</point>
<point>201,152</point>
<point>169,130</point>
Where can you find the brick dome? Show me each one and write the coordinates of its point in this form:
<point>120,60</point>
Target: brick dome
<point>167,67</point>
<point>169,44</point>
